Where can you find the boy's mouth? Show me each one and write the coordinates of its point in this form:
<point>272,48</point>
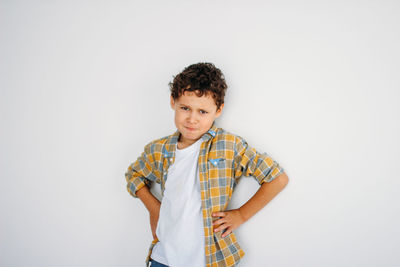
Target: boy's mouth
<point>190,129</point>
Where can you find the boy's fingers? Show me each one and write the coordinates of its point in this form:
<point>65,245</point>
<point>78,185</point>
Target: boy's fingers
<point>219,221</point>
<point>218,214</point>
<point>221,227</point>
<point>227,232</point>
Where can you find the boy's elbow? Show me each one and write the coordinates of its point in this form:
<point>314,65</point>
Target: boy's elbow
<point>283,179</point>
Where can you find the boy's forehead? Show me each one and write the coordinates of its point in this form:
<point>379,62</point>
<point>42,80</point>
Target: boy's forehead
<point>190,98</point>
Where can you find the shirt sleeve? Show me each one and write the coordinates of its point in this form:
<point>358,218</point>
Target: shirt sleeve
<point>249,162</point>
<point>140,172</point>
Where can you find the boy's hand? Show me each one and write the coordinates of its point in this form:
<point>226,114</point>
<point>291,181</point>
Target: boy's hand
<point>231,219</point>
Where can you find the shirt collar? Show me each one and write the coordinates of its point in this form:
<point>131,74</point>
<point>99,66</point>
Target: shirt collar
<point>170,146</point>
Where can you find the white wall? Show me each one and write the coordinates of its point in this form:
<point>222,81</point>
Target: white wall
<point>84,86</point>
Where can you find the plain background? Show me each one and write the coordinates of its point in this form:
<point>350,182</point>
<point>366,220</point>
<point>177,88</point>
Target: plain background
<point>84,86</point>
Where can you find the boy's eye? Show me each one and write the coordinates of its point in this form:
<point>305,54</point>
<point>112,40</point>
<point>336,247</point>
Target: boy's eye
<point>201,111</point>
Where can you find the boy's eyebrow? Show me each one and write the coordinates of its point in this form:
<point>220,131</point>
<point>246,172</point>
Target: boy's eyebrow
<point>189,106</point>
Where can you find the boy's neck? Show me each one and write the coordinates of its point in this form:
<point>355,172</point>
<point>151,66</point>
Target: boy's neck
<point>181,145</point>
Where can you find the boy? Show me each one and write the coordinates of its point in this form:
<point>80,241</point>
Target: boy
<point>198,168</point>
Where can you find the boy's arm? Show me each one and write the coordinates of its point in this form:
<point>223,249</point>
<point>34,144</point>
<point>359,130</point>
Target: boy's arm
<point>140,173</point>
<point>232,219</point>
<point>151,203</point>
<point>268,173</point>
<point>249,162</point>
<point>266,192</point>
<point>139,177</point>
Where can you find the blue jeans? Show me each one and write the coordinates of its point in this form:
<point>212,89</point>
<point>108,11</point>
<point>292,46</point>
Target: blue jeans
<point>156,264</point>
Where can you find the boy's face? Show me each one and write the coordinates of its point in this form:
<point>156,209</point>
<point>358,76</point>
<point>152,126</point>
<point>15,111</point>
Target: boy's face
<point>194,116</point>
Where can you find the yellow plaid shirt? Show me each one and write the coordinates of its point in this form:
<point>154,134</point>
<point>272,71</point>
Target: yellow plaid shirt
<point>223,158</point>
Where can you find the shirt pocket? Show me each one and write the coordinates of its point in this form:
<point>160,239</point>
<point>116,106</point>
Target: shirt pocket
<point>221,182</point>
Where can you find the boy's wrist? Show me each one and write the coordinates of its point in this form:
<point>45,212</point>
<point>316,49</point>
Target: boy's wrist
<point>243,213</point>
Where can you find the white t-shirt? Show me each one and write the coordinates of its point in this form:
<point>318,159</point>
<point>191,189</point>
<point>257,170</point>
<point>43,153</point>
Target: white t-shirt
<point>180,227</point>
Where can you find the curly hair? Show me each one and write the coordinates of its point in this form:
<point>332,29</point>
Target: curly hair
<point>201,78</point>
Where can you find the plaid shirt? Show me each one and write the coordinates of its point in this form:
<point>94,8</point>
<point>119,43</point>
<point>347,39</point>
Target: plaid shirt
<point>223,159</point>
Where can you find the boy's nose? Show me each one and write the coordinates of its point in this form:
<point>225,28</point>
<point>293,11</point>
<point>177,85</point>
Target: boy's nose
<point>192,118</point>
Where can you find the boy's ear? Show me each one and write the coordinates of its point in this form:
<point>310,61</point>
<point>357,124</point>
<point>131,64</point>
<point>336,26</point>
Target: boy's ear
<point>172,102</point>
<point>219,111</point>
